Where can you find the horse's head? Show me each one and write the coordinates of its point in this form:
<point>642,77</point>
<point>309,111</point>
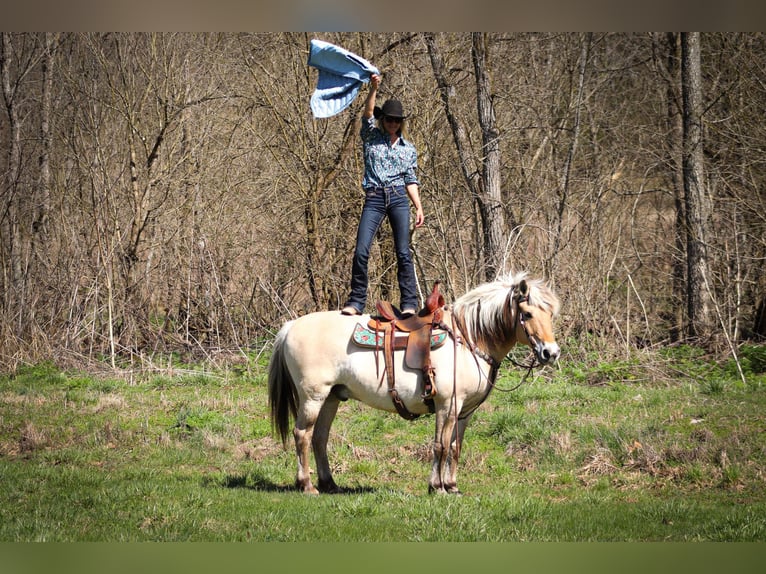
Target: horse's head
<point>497,315</point>
<point>536,305</point>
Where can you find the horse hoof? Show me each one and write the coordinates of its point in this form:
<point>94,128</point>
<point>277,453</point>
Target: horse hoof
<point>330,488</point>
<point>306,487</point>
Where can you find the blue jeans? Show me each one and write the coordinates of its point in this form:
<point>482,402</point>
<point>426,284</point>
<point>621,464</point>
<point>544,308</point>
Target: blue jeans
<point>394,203</point>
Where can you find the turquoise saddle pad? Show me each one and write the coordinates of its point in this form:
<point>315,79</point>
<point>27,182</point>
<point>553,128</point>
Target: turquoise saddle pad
<point>366,337</point>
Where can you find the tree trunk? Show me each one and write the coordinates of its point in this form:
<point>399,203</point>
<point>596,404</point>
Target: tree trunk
<point>759,323</point>
<point>13,276</point>
<point>485,188</point>
<point>674,142</point>
<point>40,225</point>
<point>490,201</point>
<point>698,204</point>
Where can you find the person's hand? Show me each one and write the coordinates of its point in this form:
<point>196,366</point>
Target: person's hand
<point>419,218</point>
<point>375,80</point>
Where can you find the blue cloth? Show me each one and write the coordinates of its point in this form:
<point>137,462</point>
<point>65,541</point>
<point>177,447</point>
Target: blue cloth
<point>386,165</point>
<point>393,203</point>
<point>341,74</point>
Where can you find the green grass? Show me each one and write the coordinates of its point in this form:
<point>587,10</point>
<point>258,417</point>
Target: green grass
<point>655,447</point>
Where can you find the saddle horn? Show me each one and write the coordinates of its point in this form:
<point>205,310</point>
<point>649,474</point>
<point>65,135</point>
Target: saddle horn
<point>435,300</point>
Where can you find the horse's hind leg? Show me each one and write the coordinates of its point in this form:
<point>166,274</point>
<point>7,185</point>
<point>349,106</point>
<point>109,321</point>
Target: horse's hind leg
<point>319,442</point>
<point>303,433</point>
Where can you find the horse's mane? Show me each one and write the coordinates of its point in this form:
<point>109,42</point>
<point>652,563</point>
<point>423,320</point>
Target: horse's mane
<point>485,311</point>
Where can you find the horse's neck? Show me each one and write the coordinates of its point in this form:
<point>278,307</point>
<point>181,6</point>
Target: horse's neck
<point>499,349</point>
<point>499,352</point>
<point>495,349</point>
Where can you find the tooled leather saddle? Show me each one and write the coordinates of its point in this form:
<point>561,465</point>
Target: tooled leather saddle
<point>416,334</point>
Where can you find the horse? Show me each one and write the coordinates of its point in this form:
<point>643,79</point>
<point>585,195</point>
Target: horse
<point>315,366</point>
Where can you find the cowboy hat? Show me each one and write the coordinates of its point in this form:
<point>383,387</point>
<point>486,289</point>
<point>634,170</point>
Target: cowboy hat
<point>392,108</point>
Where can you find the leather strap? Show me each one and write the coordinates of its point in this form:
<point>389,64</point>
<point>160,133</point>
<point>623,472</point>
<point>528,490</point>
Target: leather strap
<point>388,354</point>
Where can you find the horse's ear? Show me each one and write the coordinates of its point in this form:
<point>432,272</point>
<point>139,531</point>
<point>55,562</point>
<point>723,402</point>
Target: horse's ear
<point>523,288</point>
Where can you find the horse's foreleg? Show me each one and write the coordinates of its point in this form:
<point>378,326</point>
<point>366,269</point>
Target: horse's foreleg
<point>435,481</point>
<point>319,441</point>
<point>303,433</point>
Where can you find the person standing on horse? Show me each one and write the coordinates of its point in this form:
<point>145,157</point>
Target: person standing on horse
<point>390,183</point>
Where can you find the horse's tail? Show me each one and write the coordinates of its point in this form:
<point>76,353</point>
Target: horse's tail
<point>283,396</point>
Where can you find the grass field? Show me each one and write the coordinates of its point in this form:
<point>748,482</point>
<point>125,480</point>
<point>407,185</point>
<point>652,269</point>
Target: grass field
<point>658,446</point>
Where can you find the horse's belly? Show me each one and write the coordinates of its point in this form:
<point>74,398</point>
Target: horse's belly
<point>369,384</point>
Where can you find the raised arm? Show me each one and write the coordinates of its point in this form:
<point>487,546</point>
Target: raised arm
<point>372,94</point>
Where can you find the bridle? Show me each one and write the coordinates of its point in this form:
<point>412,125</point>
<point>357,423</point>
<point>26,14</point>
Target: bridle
<point>530,338</point>
<point>494,365</point>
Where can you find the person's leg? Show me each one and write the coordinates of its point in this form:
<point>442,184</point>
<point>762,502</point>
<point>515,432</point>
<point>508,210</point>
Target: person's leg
<point>399,217</point>
<point>373,212</point>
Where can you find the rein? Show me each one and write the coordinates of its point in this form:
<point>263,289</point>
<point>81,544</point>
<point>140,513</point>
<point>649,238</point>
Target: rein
<point>534,362</point>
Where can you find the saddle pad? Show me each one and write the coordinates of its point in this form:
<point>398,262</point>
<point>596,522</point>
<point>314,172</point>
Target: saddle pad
<point>368,338</point>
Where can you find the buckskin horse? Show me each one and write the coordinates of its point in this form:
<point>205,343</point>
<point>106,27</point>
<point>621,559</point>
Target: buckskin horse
<point>320,359</point>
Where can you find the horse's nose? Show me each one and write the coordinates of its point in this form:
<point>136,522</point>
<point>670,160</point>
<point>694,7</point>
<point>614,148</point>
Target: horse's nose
<point>549,353</point>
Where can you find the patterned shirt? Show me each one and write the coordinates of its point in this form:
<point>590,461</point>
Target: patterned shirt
<point>386,165</point>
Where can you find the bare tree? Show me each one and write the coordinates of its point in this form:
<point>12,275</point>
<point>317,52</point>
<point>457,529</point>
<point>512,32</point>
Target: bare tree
<point>20,55</point>
<point>672,77</point>
<point>40,226</point>
<point>12,195</point>
<point>698,203</point>
<point>482,174</point>
<point>489,196</point>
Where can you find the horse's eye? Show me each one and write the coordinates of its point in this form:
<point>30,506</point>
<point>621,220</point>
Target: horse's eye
<point>527,315</point>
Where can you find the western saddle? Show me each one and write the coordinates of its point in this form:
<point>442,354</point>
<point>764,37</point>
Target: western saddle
<point>415,334</point>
